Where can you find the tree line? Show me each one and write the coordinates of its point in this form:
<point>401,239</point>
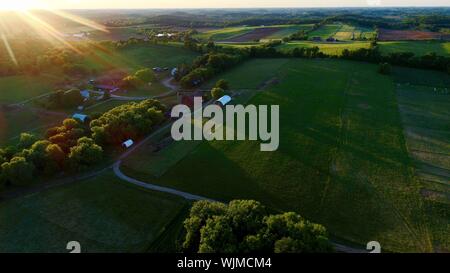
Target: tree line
<point>76,146</point>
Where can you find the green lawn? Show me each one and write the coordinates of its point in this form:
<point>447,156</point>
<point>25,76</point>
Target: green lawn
<point>103,214</point>
<point>342,160</point>
<point>327,48</point>
<point>419,48</point>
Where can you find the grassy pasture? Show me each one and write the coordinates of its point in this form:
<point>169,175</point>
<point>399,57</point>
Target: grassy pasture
<point>15,89</point>
<point>233,32</point>
<point>342,159</point>
<point>348,32</point>
<point>426,119</point>
<point>256,71</point>
<point>328,48</point>
<point>103,214</point>
<point>419,48</point>
<point>288,30</point>
<point>139,56</point>
<point>223,33</point>
<point>325,31</point>
<point>15,122</point>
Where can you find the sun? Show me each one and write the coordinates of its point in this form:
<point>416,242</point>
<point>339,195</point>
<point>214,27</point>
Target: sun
<point>17,5</point>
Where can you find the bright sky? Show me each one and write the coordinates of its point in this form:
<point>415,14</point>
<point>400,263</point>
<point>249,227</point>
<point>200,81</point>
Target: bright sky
<point>131,4</point>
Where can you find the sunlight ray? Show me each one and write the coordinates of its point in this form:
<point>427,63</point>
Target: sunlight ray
<point>40,25</point>
<point>80,20</point>
<point>8,47</point>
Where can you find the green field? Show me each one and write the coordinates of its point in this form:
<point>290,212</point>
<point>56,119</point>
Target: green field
<point>419,48</point>
<point>139,56</point>
<point>223,33</point>
<point>288,30</point>
<point>342,160</point>
<point>347,32</point>
<point>325,31</point>
<point>16,89</point>
<point>231,32</point>
<point>15,122</point>
<point>327,48</point>
<point>425,112</point>
<point>256,71</point>
<point>103,214</point>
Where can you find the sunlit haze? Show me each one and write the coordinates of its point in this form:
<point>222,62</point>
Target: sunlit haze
<point>141,4</point>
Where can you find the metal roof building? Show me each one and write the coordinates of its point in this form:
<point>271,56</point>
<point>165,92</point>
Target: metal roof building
<point>224,100</point>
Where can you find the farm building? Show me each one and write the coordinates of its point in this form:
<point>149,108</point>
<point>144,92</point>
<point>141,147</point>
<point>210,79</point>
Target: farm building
<point>127,144</point>
<point>223,100</point>
<point>174,72</point>
<point>81,117</point>
<point>85,94</point>
<point>317,39</point>
<point>331,39</point>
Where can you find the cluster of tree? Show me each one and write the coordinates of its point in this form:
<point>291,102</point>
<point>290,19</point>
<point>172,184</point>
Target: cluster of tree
<point>219,90</point>
<point>128,121</point>
<point>245,226</point>
<point>206,66</point>
<point>300,35</point>
<point>65,148</point>
<point>140,78</point>
<point>64,99</point>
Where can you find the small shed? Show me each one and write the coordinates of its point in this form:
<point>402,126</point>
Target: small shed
<point>223,100</point>
<point>80,117</point>
<point>127,144</point>
<point>174,72</point>
<point>85,94</point>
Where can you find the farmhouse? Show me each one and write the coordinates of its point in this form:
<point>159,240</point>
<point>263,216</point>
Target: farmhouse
<point>317,38</point>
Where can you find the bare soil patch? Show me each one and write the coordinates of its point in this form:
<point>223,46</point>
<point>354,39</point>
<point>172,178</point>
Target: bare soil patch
<point>399,35</point>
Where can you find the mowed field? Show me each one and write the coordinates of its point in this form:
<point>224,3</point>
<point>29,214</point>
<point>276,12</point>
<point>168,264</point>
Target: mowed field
<point>16,89</point>
<point>342,160</point>
<point>102,213</point>
<point>249,34</point>
<point>425,114</point>
<point>13,122</point>
<point>139,56</point>
<point>348,32</point>
<point>419,48</point>
<point>325,31</point>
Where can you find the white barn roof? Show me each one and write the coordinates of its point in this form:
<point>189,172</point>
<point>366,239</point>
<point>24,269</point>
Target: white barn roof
<point>128,143</point>
<point>224,100</point>
<point>80,117</point>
